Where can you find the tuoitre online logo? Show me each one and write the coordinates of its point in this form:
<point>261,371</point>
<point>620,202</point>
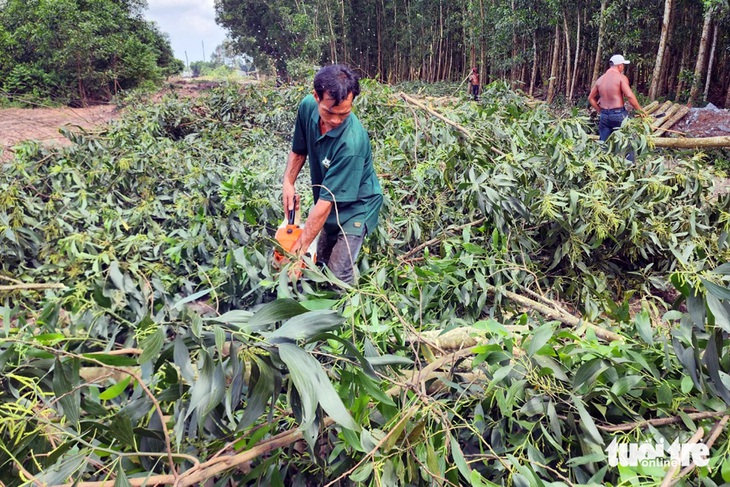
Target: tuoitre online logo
<point>656,455</point>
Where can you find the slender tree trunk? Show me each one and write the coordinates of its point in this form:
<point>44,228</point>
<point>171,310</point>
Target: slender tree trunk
<point>513,69</point>
<point>682,66</point>
<point>344,30</point>
<point>710,62</point>
<point>554,65</point>
<point>727,97</point>
<point>534,62</point>
<point>662,48</point>
<point>575,63</point>
<point>599,49</point>
<point>700,65</point>
<point>567,56</point>
<point>379,14</point>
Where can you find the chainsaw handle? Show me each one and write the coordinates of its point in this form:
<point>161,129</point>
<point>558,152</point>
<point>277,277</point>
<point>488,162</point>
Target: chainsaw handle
<point>292,213</point>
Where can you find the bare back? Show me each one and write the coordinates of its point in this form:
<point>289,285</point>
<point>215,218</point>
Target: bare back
<point>612,87</point>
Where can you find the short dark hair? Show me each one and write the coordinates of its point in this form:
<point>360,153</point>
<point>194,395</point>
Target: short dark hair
<point>338,80</point>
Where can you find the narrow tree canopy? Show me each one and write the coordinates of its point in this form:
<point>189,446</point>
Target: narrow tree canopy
<point>80,51</point>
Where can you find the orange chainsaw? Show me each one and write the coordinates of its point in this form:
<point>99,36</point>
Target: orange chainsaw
<point>286,236</point>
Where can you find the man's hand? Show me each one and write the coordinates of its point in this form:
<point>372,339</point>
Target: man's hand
<point>291,202</point>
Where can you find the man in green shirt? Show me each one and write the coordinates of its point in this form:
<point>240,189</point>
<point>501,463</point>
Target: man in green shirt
<point>347,194</point>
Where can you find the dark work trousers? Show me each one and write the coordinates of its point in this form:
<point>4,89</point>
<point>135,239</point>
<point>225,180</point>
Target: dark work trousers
<point>475,92</point>
<point>611,120</point>
<point>339,252</point>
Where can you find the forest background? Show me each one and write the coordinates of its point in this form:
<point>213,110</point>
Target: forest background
<point>678,48</point>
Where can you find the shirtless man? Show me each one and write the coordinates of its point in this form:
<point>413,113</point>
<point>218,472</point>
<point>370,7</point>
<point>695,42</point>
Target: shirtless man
<point>611,88</point>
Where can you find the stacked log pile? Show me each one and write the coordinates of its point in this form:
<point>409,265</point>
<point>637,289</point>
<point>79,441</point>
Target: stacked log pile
<point>664,116</point>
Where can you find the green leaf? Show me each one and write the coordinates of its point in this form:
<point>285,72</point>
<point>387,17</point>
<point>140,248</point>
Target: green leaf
<point>203,385</point>
<point>362,473</point>
<point>114,360</point>
<point>587,421</point>
<point>121,480</point>
<point>687,384</point>
<point>540,338</point>
<point>151,346</point>
<point>625,384</point>
<point>643,326</point>
<point>723,269</point>
<point>664,394</point>
<point>261,389</point>
<point>588,373</point>
<point>115,390</point>
<point>62,389</point>
<point>122,430</point>
<point>319,304</point>
<point>116,275</point>
<point>220,339</point>
<point>181,358</point>
<point>59,472</point>
<point>238,317</point>
<point>722,318</point>
<point>546,362</point>
<point>192,297</point>
<point>306,325</point>
<point>713,289</point>
<point>275,311</point>
<point>371,387</point>
<point>458,457</point>
<point>388,359</point>
<point>314,386</point>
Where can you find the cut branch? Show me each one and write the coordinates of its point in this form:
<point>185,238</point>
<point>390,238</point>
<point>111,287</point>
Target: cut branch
<point>694,143</point>
<point>16,287</point>
<point>436,114</point>
<point>660,421</point>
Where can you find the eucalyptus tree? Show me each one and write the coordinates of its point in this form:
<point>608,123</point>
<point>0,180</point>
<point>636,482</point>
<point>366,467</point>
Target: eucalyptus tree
<point>284,31</point>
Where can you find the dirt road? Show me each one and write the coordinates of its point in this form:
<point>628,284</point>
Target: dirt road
<point>42,124</point>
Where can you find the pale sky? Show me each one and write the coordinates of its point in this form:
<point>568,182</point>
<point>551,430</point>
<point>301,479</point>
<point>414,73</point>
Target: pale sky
<point>190,24</point>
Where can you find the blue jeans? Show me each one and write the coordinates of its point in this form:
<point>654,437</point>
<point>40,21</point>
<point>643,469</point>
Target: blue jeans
<point>610,120</point>
<point>474,91</point>
<point>339,251</point>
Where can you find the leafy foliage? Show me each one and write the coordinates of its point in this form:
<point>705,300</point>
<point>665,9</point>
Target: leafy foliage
<point>168,342</point>
<point>78,51</point>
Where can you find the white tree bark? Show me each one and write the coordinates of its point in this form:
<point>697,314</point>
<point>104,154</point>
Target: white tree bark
<point>662,49</point>
<point>700,65</point>
<point>710,62</point>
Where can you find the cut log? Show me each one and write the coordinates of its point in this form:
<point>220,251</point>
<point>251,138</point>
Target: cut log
<point>672,121</point>
<point>695,143</point>
<point>651,107</point>
<point>667,116</point>
<point>662,109</point>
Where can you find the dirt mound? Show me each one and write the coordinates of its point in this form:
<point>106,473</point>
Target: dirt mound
<point>709,121</point>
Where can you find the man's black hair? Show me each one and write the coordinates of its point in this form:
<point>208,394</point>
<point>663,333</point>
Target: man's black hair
<point>338,80</point>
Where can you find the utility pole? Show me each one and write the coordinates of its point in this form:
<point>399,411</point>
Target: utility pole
<point>203,42</point>
<point>187,63</point>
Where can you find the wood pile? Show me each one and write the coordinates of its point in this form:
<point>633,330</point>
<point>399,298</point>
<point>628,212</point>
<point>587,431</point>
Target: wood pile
<point>664,116</point>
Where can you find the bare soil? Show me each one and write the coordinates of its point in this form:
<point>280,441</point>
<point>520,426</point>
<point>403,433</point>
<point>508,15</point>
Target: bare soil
<point>705,122</point>
<point>43,124</point>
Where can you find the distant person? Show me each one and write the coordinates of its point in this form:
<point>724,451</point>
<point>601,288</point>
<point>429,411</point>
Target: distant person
<point>474,84</point>
<point>607,98</point>
<point>347,194</point>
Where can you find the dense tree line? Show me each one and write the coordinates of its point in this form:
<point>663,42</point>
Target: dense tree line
<point>78,51</point>
<point>679,49</point>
